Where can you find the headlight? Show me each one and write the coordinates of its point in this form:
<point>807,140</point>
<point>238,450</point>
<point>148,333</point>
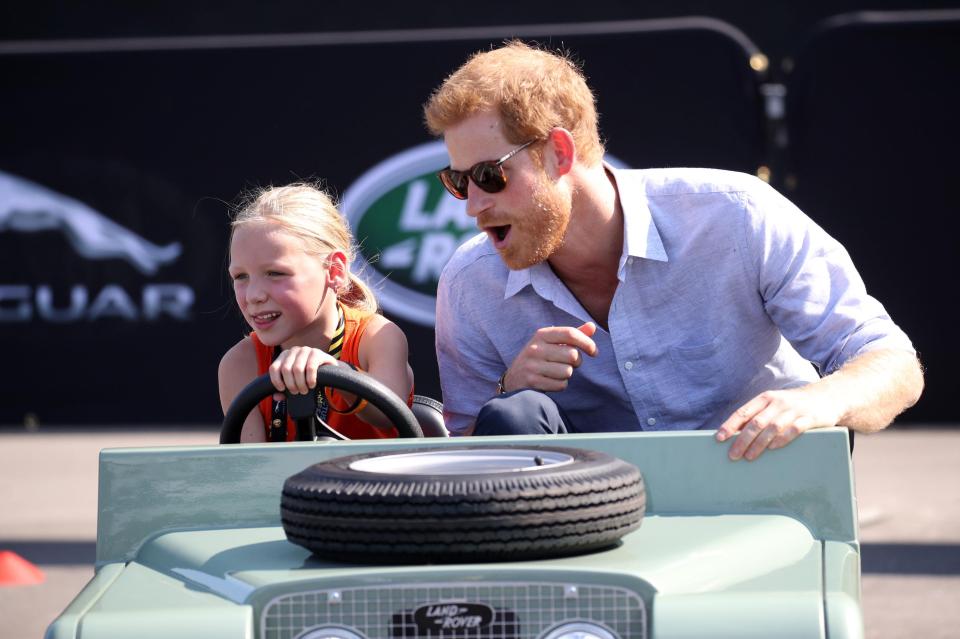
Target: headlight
<point>579,630</point>
<point>331,632</point>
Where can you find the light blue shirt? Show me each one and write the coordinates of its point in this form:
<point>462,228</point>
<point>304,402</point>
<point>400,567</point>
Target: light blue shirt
<point>726,290</point>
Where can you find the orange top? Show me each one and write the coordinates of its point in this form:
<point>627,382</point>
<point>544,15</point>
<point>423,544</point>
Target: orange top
<point>355,323</point>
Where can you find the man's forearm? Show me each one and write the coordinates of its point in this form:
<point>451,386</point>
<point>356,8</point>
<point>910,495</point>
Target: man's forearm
<point>873,388</point>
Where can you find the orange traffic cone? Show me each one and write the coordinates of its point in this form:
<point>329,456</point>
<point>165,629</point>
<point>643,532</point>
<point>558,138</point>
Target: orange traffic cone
<point>17,571</point>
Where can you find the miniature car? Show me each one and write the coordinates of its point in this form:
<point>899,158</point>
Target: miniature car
<point>241,541</point>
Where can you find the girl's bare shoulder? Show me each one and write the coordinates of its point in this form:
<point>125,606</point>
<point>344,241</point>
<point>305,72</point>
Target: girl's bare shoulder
<point>379,327</point>
<point>382,335</point>
<point>240,358</point>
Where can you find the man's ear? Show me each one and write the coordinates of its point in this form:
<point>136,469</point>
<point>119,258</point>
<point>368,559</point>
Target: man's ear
<point>560,151</point>
<point>337,270</point>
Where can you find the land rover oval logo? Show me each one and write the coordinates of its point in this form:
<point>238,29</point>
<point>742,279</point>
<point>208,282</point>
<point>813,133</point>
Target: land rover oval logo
<point>451,617</point>
<point>408,227</point>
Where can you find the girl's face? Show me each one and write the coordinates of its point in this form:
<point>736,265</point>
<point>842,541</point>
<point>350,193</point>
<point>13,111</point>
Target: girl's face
<point>281,289</point>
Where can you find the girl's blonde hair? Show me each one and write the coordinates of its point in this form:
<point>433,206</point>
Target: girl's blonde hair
<point>308,213</point>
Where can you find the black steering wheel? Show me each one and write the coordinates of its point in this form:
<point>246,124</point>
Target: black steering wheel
<point>302,407</point>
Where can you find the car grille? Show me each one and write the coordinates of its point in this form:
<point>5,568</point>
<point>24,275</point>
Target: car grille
<point>517,610</point>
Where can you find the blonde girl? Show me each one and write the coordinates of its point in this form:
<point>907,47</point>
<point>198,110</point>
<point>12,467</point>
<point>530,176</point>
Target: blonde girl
<point>290,256</point>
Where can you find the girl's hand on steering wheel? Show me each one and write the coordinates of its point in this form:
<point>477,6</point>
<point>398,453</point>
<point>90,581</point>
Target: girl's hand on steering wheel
<point>295,370</point>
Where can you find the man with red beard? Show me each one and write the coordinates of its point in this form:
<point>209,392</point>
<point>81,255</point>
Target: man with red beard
<point>599,299</point>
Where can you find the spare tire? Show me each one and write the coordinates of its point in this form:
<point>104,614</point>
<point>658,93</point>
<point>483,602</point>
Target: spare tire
<point>463,504</point>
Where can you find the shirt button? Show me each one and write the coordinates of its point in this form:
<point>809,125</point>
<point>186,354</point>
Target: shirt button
<point>628,365</point>
<point>651,421</point>
<point>630,260</point>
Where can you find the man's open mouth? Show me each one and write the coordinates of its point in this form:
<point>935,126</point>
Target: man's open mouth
<point>500,232</point>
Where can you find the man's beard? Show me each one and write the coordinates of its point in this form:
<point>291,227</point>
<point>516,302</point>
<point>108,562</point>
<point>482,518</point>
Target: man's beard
<point>540,230</point>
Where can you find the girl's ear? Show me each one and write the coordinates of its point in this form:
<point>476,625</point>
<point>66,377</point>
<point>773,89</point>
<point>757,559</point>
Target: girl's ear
<point>337,270</point>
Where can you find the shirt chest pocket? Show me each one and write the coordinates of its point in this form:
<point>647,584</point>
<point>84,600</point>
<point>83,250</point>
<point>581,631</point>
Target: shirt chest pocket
<point>696,356</point>
<point>703,378</point>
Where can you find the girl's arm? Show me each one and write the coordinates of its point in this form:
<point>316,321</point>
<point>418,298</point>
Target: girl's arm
<point>383,354</point>
<point>237,367</point>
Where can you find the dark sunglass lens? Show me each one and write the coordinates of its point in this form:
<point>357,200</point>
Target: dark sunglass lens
<point>489,177</point>
<point>461,182</point>
<point>455,182</point>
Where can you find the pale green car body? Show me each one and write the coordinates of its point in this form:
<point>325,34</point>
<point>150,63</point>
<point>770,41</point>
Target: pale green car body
<point>189,544</point>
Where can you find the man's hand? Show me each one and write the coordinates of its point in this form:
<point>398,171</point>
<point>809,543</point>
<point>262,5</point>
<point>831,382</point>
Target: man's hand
<point>773,419</point>
<point>546,363</point>
<point>864,395</point>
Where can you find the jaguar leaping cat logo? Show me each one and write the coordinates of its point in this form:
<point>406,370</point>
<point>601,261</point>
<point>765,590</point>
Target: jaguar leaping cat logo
<point>28,207</point>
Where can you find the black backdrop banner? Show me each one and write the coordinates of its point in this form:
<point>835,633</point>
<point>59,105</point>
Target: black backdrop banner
<point>120,159</point>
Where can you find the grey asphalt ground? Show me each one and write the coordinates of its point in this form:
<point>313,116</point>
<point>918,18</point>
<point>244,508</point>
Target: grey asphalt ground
<point>908,485</point>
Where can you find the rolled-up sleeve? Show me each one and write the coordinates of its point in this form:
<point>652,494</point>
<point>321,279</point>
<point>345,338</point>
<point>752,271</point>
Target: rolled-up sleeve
<point>810,286</point>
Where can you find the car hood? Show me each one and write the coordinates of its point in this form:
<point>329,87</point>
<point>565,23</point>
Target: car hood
<point>725,575</point>
<point>671,554</point>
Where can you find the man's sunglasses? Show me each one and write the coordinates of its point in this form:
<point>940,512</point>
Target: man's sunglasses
<point>488,175</point>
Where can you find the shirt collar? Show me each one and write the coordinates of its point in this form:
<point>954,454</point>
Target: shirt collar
<point>640,235</point>
<point>640,239</point>
<point>540,276</point>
